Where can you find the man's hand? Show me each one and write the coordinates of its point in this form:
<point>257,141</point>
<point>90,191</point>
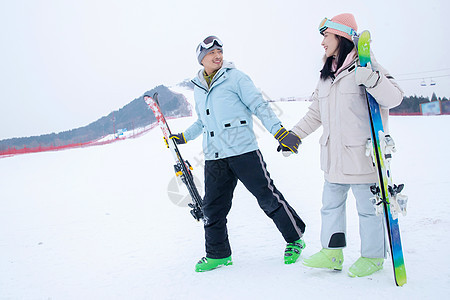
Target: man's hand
<point>288,139</point>
<point>178,138</point>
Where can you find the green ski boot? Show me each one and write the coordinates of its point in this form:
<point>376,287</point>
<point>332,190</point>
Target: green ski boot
<point>207,264</point>
<point>293,251</point>
<point>326,259</point>
<point>365,266</point>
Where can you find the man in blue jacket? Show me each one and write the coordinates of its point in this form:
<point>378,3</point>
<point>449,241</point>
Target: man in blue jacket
<point>225,101</point>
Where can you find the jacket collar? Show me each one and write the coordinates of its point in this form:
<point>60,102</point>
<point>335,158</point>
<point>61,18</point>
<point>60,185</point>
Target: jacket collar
<point>348,67</point>
<point>349,60</point>
<point>200,80</point>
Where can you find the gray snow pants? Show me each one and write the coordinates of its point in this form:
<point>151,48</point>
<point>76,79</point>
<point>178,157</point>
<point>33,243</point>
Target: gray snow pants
<point>371,226</point>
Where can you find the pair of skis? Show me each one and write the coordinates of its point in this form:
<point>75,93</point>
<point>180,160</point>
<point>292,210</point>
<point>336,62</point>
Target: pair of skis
<point>182,167</point>
<point>387,198</point>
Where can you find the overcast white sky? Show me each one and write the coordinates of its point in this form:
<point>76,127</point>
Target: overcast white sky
<point>64,64</point>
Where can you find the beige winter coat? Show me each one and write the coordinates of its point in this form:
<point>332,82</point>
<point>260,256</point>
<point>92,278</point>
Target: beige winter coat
<point>339,105</point>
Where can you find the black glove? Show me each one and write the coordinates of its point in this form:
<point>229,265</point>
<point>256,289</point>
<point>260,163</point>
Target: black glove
<point>284,150</point>
<point>178,138</point>
<point>288,139</point>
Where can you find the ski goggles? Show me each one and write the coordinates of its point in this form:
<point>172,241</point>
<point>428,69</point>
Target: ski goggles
<point>327,23</point>
<point>208,43</point>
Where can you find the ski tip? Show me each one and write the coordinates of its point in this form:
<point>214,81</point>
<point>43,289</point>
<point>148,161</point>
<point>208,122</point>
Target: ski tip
<point>364,40</point>
<point>364,47</point>
<point>365,34</point>
<point>400,275</point>
<point>155,97</point>
<point>401,282</point>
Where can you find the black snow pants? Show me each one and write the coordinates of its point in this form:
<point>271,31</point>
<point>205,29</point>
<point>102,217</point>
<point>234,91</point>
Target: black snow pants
<point>221,177</point>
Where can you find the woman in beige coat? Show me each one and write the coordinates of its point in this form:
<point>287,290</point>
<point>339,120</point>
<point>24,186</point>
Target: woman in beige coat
<point>339,106</point>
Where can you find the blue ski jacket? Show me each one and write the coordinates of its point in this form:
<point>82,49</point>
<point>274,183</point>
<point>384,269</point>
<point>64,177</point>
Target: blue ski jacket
<point>225,113</point>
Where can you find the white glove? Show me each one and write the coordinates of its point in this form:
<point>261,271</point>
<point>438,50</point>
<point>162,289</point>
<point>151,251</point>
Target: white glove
<point>366,76</point>
<point>284,150</point>
<point>286,153</point>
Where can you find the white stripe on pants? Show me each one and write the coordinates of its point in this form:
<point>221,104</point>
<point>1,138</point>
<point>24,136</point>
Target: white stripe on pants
<point>371,226</point>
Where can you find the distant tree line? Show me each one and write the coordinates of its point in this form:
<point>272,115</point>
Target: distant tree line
<point>411,105</point>
<point>133,115</point>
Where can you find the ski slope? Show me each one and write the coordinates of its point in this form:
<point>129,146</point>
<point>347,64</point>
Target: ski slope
<point>99,223</point>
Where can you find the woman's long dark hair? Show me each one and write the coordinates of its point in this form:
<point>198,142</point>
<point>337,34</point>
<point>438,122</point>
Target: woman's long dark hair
<point>345,47</point>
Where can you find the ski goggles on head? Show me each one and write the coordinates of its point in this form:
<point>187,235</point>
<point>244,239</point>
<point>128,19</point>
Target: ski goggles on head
<point>208,43</point>
<point>326,23</point>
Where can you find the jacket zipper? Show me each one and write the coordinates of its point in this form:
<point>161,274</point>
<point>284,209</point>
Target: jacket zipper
<point>200,86</point>
<point>203,88</point>
<point>215,79</point>
<point>352,65</point>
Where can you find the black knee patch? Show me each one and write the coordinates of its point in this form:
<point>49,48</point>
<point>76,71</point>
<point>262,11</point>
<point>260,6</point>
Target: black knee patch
<point>337,240</point>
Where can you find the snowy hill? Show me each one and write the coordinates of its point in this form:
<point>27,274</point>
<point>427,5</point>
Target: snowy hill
<point>97,223</point>
<point>131,116</point>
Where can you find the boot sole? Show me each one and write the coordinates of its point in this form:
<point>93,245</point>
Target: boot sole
<point>327,268</point>
<point>216,267</point>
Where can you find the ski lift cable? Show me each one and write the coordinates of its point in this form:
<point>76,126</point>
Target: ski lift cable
<point>422,72</point>
<point>423,78</point>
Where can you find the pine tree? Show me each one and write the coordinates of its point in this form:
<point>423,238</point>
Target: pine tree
<point>434,97</point>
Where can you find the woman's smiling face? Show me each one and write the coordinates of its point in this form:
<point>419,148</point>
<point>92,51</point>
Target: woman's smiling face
<point>330,43</point>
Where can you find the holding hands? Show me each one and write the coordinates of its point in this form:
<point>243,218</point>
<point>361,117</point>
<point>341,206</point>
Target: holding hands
<point>288,140</point>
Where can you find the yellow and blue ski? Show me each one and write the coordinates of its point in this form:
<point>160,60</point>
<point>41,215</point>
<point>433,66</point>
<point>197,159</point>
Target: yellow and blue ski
<point>386,194</point>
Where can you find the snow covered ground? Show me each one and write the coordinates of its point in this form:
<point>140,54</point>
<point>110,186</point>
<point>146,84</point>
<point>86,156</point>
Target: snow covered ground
<point>97,223</point>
